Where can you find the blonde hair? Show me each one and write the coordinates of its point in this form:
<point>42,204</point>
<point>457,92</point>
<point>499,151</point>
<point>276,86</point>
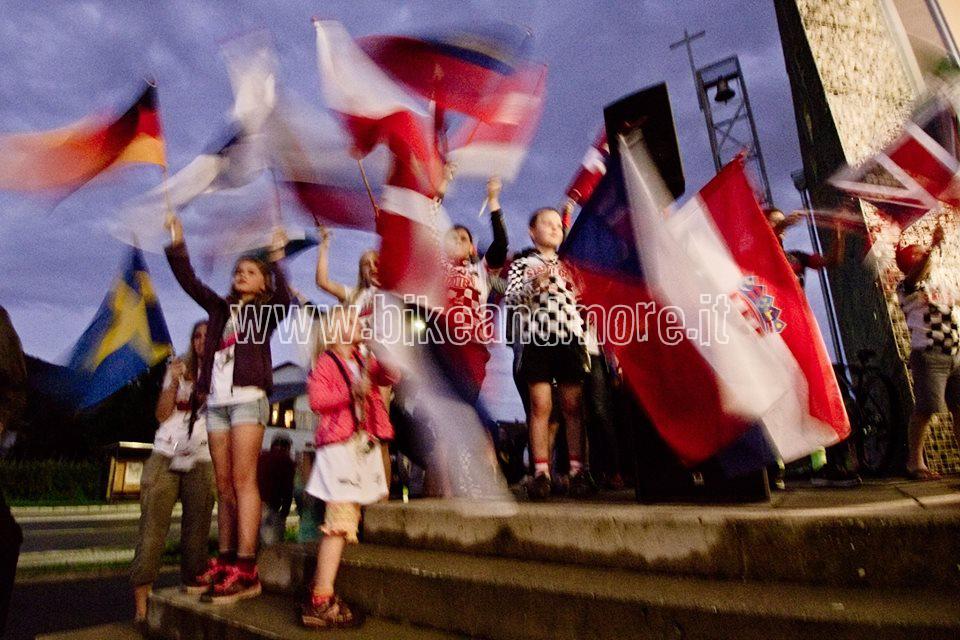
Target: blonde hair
<point>361,282</point>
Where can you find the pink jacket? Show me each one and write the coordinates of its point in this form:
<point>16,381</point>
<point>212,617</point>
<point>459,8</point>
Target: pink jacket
<point>330,399</point>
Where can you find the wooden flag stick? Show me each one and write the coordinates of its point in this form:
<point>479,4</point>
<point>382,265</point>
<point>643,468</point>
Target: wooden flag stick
<point>277,210</point>
<point>483,207</point>
<point>366,183</point>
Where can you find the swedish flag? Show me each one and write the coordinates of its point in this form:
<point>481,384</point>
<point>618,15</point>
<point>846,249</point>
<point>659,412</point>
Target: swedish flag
<point>127,336</point>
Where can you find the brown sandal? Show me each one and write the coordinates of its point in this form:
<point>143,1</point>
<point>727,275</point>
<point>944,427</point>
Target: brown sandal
<point>333,614</point>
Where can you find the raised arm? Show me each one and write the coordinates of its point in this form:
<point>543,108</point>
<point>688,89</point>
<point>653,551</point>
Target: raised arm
<point>496,253</point>
<point>282,294</point>
<point>179,261</point>
<point>324,282</point>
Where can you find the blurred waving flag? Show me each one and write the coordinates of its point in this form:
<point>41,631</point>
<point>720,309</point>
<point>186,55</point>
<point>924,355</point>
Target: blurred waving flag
<point>127,336</point>
<point>376,111</point>
<point>499,145</point>
<point>770,367</point>
<point>66,158</point>
<point>592,168</point>
<point>916,173</point>
<point>456,69</point>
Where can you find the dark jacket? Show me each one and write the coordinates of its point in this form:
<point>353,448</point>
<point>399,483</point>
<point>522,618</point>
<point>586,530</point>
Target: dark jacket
<point>13,374</point>
<point>275,471</point>
<point>253,365</point>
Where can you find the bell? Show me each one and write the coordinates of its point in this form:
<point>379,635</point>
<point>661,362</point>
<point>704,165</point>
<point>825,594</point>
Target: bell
<point>724,92</point>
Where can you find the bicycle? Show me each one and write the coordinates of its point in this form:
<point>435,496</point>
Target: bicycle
<point>873,408</point>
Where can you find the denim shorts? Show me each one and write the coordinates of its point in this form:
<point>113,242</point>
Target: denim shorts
<point>936,381</point>
<point>230,415</point>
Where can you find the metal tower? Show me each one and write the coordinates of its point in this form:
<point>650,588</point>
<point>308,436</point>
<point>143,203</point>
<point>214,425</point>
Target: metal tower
<point>730,124</point>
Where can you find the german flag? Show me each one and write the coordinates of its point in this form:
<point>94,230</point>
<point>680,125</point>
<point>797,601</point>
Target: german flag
<point>66,158</point>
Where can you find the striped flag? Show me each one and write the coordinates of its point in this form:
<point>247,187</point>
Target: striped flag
<point>457,69</point>
<point>499,146</point>
<point>376,111</point>
<point>592,168</point>
<point>916,173</point>
<point>66,158</point>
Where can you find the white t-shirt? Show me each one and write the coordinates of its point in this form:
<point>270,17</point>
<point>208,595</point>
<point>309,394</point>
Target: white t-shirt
<point>222,390</point>
<point>173,431</point>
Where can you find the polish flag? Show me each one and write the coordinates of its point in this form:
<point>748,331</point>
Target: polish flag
<point>499,146</point>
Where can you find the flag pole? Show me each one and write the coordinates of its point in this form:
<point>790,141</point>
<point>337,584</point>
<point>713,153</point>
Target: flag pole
<point>366,183</point>
<point>164,171</point>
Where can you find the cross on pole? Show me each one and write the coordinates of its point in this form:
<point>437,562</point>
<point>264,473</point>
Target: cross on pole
<point>686,40</point>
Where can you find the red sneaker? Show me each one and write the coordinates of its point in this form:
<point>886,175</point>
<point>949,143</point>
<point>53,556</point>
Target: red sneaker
<point>205,580</point>
<point>232,586</point>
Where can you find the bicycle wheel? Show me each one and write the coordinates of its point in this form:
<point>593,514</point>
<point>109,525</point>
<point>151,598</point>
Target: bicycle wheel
<point>877,431</point>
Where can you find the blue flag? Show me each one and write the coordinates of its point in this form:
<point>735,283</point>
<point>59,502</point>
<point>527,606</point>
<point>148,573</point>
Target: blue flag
<point>127,336</point>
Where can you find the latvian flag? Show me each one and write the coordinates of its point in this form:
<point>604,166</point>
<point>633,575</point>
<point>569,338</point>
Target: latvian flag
<point>916,173</point>
<point>66,158</point>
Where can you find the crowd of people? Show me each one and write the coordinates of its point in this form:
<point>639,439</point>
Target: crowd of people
<point>216,399</point>
<point>213,405</point>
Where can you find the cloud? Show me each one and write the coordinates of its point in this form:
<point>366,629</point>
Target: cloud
<point>63,60</point>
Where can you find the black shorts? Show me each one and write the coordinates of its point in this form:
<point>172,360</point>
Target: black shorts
<point>565,363</point>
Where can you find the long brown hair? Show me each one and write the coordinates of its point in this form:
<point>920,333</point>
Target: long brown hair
<point>193,359</point>
<point>264,269</point>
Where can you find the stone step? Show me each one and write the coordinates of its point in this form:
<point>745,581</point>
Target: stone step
<point>896,543</point>
<point>177,616</point>
<point>113,631</point>
<point>502,598</point>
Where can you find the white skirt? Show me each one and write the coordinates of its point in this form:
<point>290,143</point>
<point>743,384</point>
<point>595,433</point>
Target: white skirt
<point>348,472</point>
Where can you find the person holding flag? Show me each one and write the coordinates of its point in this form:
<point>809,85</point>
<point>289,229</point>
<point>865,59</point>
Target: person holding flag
<point>930,300</point>
<point>235,378</point>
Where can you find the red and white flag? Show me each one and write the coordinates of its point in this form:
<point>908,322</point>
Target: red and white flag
<point>592,168</point>
<point>916,173</point>
<point>499,146</point>
<point>812,414</point>
<point>375,110</point>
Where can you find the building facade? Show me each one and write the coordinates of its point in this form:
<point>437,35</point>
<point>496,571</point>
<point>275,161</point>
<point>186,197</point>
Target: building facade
<point>857,68</point>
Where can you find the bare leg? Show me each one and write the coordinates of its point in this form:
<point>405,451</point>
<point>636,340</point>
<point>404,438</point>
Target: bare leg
<point>140,595</point>
<point>541,403</point>
<point>220,452</point>
<point>329,553</point>
<point>571,395</point>
<point>245,443</point>
<point>917,432</point>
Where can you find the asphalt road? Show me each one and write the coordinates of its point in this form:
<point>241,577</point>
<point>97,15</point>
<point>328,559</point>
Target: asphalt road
<point>65,602</point>
<point>77,532</point>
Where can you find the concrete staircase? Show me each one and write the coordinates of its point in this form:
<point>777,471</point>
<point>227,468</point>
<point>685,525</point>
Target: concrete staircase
<point>573,570</point>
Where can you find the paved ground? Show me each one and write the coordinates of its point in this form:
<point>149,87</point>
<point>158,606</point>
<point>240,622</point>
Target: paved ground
<point>97,535</point>
<point>75,601</point>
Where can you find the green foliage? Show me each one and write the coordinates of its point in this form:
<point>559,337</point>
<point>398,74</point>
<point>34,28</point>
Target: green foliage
<point>67,481</point>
